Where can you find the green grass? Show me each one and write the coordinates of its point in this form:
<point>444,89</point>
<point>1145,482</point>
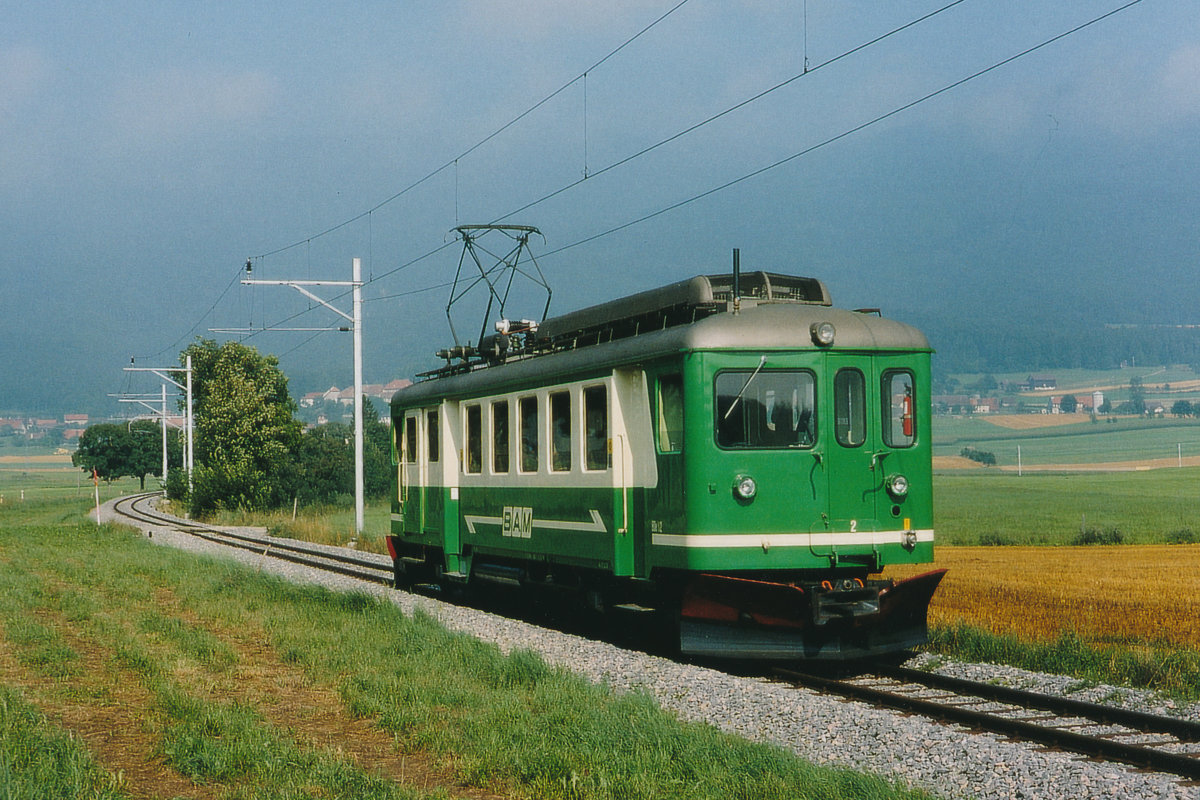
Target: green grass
<point>1126,439</point>
<point>510,723</point>
<point>39,761</point>
<point>1172,670</point>
<point>982,506</point>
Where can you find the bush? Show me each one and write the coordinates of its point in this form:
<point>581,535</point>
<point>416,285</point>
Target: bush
<point>177,485</point>
<point>992,539</point>
<point>1182,536</point>
<point>1098,536</point>
<point>984,457</point>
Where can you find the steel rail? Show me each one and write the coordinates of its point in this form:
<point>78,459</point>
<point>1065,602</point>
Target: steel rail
<point>1102,747</point>
<point>349,566</point>
<point>1182,729</point>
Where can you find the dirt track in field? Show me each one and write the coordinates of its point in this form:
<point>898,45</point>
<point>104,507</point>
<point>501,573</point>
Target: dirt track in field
<point>115,716</point>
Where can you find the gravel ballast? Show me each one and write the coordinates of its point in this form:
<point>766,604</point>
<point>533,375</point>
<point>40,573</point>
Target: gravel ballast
<point>944,760</point>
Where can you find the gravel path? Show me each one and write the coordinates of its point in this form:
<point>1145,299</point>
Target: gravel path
<point>944,760</point>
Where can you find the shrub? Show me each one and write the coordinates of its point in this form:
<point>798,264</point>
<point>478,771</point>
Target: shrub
<point>1182,536</point>
<point>1099,536</point>
<point>992,539</point>
<point>988,459</point>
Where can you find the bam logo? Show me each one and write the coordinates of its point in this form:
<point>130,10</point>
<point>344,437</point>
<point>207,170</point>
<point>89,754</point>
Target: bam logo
<point>518,522</point>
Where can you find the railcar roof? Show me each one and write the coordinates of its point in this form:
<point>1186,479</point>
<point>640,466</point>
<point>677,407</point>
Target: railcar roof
<point>758,327</point>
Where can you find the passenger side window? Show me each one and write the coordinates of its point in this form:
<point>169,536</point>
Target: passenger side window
<point>500,436</point>
<point>410,440</point>
<point>560,431</point>
<point>474,454</point>
<point>431,433</point>
<point>528,409</point>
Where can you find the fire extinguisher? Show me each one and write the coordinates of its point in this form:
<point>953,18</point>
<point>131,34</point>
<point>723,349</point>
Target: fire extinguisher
<point>907,419</point>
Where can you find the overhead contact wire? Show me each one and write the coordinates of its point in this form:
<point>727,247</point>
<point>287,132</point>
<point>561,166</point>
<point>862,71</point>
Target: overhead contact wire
<point>454,161</point>
<point>731,109</point>
<point>846,133</point>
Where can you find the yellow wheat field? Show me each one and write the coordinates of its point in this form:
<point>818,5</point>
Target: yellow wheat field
<point>1105,594</point>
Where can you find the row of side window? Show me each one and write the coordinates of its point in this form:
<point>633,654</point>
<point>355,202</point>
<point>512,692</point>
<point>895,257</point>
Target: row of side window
<point>528,455</point>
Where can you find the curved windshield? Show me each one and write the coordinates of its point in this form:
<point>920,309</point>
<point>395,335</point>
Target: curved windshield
<point>765,408</point>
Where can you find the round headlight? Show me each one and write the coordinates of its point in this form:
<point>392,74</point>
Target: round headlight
<point>897,486</point>
<point>744,487</point>
<point>822,333</point>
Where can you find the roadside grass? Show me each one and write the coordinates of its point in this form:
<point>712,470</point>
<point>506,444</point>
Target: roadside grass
<point>1166,668</point>
<point>215,652</point>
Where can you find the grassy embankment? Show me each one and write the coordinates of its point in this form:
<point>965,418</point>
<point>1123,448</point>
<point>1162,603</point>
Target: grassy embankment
<point>132,670</point>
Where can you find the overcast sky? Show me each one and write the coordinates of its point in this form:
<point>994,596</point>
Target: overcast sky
<point>147,150</point>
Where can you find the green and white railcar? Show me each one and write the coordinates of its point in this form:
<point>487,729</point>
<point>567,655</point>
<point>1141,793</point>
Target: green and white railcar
<point>743,460</point>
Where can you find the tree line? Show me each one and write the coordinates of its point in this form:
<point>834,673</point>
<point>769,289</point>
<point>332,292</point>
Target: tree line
<point>1004,345</point>
<point>250,451</point>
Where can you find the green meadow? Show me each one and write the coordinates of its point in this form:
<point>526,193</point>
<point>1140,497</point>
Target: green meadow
<point>128,669</point>
<point>1102,441</point>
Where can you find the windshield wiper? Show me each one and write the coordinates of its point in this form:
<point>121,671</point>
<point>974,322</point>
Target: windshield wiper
<point>761,363</point>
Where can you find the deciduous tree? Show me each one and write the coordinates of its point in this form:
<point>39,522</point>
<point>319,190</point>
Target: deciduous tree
<point>246,434</point>
<point>133,449</point>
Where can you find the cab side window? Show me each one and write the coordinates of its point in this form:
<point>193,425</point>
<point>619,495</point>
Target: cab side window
<point>899,420</point>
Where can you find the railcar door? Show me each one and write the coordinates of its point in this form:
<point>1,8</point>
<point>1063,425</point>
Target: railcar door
<point>414,477</point>
<point>853,458</point>
<point>665,499</point>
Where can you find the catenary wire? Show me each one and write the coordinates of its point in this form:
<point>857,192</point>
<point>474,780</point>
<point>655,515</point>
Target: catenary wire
<point>806,151</point>
<point>807,71</point>
<point>644,151</point>
<point>846,133</point>
<point>454,161</point>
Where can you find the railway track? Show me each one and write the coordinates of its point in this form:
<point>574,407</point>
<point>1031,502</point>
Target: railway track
<point>1147,741</point>
<point>138,509</point>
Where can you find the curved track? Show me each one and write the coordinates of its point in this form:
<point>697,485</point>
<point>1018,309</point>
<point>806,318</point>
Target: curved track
<point>138,509</point>
<point>1149,741</point>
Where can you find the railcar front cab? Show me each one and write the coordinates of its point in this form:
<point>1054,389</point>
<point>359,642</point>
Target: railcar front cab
<point>806,472</point>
